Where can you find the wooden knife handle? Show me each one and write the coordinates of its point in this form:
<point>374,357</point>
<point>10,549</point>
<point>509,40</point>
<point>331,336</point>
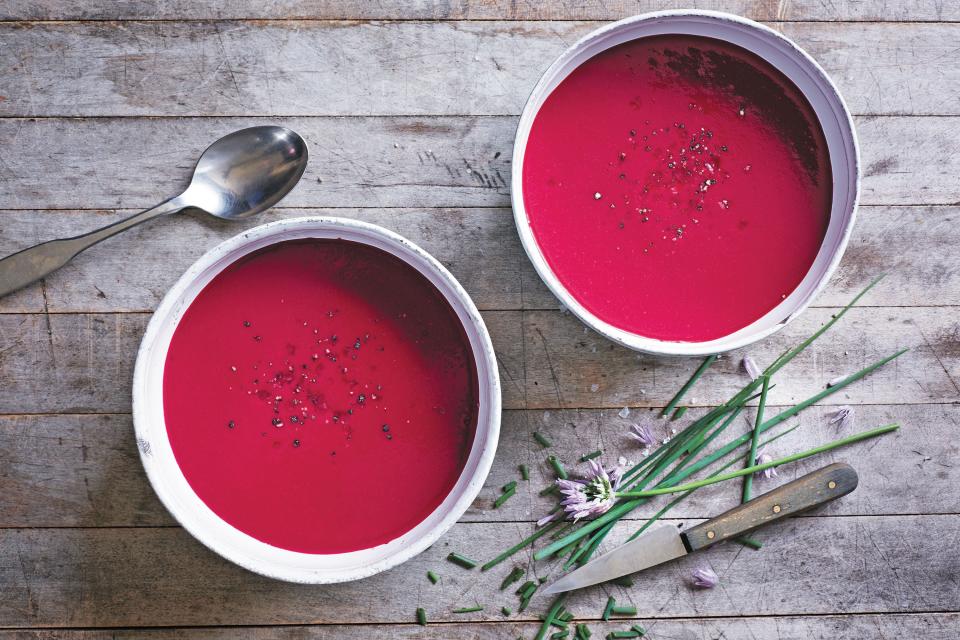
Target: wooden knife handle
<point>815,488</point>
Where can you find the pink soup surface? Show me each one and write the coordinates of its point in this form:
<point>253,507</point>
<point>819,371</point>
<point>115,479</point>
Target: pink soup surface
<point>321,396</point>
<point>679,187</point>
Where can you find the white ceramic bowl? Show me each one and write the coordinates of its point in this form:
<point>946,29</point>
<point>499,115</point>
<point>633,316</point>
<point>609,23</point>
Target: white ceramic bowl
<point>793,62</point>
<point>171,485</point>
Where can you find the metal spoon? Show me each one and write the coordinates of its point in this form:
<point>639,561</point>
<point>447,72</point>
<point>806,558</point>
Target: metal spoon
<point>239,175</point>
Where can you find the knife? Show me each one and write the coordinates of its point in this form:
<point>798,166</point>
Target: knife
<point>666,542</point>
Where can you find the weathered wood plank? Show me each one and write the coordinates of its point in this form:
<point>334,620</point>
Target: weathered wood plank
<point>151,577</point>
<point>930,626</point>
<point>909,10</point>
<point>912,245</point>
<point>292,68</point>
<point>84,471</point>
<point>82,363</point>
<point>379,162</point>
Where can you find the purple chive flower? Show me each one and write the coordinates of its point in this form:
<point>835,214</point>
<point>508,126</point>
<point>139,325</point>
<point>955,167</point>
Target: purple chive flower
<point>642,434</point>
<point>842,417</point>
<point>592,496</point>
<point>750,366</point>
<point>705,578</point>
<point>764,458</point>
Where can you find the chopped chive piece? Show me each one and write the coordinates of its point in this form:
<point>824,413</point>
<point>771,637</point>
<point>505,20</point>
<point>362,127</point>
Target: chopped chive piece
<point>591,456</point>
<point>432,577</point>
<point>611,603</point>
<point>548,490</point>
<point>526,585</point>
<point>524,472</point>
<point>750,542</point>
<point>566,616</point>
<point>678,413</point>
<point>468,609</point>
<point>559,635</point>
<point>557,467</point>
<point>506,611</point>
<point>463,561</point>
<point>542,439</point>
<point>626,610</point>
<point>623,581</point>
<point>542,580</point>
<point>614,635</point>
<point>558,623</point>
<point>504,497</point>
<point>421,617</point>
<point>686,387</point>
<point>583,632</point>
<point>554,609</point>
<point>640,630</point>
<point>510,486</point>
<point>512,577</point>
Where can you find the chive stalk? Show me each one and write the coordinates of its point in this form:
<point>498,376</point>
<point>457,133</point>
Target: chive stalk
<point>750,542</point>
<point>421,617</point>
<point>506,495</point>
<point>678,413</point>
<point>752,458</point>
<point>551,613</point>
<point>515,574</point>
<point>468,609</point>
<point>872,433</point>
<point>509,486</point>
<point>557,467</point>
<point>432,577</point>
<point>608,609</point>
<point>686,387</point>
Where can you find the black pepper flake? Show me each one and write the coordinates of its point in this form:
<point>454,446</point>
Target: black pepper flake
<point>356,345</point>
<point>277,422</point>
<point>231,424</point>
<point>246,323</point>
<point>389,436</point>
<point>258,338</point>
<point>361,399</point>
<point>385,427</point>
<point>296,443</point>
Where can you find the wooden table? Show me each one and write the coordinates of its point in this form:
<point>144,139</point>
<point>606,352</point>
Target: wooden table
<point>410,109</point>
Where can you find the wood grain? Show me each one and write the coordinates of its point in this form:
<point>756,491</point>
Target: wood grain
<point>380,162</point>
<point>930,626</point>
<point>84,470</point>
<point>151,577</point>
<point>546,359</point>
<point>912,245</point>
<point>901,10</point>
<point>293,68</point>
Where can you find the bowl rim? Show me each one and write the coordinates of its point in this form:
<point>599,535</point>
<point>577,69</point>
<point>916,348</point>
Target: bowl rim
<point>168,480</point>
<point>811,285</point>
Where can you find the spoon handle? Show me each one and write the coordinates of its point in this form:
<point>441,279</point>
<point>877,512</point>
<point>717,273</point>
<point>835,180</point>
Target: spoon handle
<point>21,268</point>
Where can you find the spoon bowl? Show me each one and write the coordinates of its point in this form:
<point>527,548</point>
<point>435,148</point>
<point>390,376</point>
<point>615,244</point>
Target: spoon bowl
<point>247,171</point>
<point>239,175</point>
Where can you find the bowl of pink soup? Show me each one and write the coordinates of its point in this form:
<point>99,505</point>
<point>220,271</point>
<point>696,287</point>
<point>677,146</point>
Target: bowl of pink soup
<point>316,400</point>
<point>685,182</point>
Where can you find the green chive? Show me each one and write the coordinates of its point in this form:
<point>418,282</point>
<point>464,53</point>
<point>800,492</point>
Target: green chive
<point>432,577</point>
<point>529,540</point>
<point>591,456</point>
<point>468,609</point>
<point>640,630</point>
<point>463,561</point>
<point>614,635</point>
<point>421,617</point>
<point>506,611</point>
<point>515,574</point>
<point>504,497</point>
<point>583,632</point>
<point>551,613</point>
<point>626,610</point>
<point>752,458</point>
<point>510,486</point>
<point>678,413</point>
<point>557,467</point>
<point>542,439</point>
<point>524,472</point>
<point>607,610</point>
<point>750,542</point>
<point>566,616</point>
<point>686,387</point>
<point>768,465</point>
<point>529,585</point>
<point>623,581</point>
<point>559,635</point>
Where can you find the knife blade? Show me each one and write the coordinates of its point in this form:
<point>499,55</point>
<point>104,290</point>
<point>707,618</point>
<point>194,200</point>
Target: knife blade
<point>666,542</point>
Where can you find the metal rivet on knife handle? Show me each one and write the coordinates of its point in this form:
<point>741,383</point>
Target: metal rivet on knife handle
<point>711,534</point>
<point>832,485</point>
<point>776,508</point>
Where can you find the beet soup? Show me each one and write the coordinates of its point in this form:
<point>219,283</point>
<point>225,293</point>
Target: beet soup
<point>321,396</point>
<point>679,187</point>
